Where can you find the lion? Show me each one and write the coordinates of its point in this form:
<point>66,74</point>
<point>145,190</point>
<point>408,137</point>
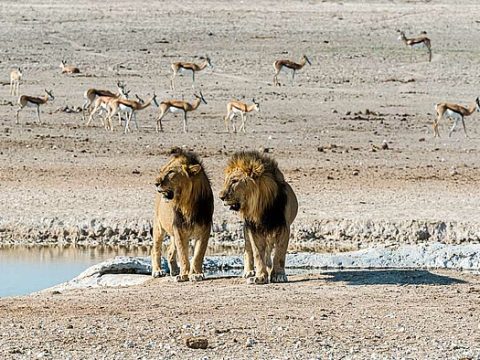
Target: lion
<point>255,187</point>
<point>183,210</point>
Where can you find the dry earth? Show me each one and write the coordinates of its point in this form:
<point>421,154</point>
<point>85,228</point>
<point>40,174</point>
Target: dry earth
<point>330,315</point>
<point>65,174</point>
<point>60,174</point>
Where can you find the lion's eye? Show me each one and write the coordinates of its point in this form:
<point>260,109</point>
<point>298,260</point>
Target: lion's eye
<point>234,181</point>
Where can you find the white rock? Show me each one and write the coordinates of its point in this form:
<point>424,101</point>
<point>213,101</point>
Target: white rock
<point>250,342</point>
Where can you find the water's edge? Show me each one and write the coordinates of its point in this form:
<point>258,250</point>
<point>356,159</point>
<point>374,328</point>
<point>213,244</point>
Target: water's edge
<point>126,271</point>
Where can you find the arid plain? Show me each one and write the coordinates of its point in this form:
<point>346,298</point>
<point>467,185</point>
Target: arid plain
<point>363,89</point>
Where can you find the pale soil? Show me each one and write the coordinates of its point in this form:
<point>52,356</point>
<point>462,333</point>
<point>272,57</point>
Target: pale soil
<point>63,170</point>
<point>353,315</point>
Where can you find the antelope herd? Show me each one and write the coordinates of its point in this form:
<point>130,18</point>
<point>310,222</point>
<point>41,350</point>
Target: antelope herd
<point>111,103</point>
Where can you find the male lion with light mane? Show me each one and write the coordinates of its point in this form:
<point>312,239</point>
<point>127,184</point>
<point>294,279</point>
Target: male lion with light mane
<point>183,210</point>
<point>256,188</point>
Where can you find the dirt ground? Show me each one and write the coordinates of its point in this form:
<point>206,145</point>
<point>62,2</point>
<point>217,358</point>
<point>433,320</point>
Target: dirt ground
<point>318,128</point>
<point>329,315</point>
<point>62,168</point>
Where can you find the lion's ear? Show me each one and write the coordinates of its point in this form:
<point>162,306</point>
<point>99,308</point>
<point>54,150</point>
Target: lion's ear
<point>194,169</point>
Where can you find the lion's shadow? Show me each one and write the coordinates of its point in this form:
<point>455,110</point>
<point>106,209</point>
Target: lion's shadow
<point>385,277</point>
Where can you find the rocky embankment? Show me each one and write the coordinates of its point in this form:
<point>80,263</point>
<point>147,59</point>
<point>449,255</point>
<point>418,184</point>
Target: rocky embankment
<point>328,235</point>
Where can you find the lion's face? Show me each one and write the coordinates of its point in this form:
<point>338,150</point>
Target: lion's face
<point>175,176</point>
<point>235,189</point>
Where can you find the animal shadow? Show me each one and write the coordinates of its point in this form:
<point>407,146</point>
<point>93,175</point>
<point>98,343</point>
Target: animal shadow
<point>390,277</point>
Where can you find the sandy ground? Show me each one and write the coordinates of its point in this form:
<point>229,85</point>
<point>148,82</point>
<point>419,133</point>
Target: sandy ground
<point>63,169</point>
<point>313,127</point>
<point>331,315</point>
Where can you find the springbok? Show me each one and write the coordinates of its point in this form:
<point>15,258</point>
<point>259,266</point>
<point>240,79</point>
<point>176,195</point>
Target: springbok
<point>181,106</point>
<point>420,41</point>
<point>35,102</point>
<point>91,94</point>
<point>130,107</point>
<point>236,107</point>
<point>455,112</point>
<point>15,78</point>
<point>69,69</point>
<point>184,67</point>
<point>101,105</point>
<point>279,65</point>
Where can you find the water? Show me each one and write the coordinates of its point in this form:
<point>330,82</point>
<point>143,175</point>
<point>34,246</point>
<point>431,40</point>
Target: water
<point>24,270</point>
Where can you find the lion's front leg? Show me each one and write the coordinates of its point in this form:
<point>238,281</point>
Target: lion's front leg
<point>181,243</point>
<point>156,252</point>
<point>278,274</point>
<point>201,243</point>
<point>258,244</point>
<point>248,269</point>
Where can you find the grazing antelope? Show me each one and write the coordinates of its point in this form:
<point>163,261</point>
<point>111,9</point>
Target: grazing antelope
<point>68,69</point>
<point>185,67</point>
<point>420,41</point>
<point>287,64</point>
<point>15,78</point>
<point>130,107</point>
<point>91,94</point>
<point>455,112</point>
<point>34,102</point>
<point>238,107</point>
<point>182,106</point>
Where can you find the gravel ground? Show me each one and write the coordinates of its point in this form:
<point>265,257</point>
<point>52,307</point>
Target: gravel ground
<point>382,314</point>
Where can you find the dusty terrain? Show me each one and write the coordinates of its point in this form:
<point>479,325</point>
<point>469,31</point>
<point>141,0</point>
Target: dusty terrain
<point>331,315</point>
<point>63,182</point>
<point>65,174</point>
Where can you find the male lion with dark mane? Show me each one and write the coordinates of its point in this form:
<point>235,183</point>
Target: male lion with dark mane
<point>183,210</point>
<point>256,188</point>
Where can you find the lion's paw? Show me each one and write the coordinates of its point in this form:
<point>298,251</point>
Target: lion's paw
<point>197,277</point>
<point>181,278</point>
<point>249,274</point>
<point>278,278</point>
<point>159,273</point>
<point>257,280</point>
